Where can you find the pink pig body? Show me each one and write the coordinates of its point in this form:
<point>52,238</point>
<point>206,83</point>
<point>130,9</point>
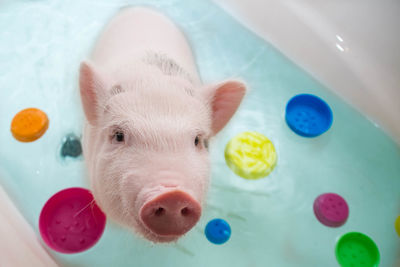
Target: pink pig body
<point>149,119</point>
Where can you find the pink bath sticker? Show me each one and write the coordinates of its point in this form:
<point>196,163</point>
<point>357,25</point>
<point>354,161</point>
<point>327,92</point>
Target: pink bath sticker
<point>71,222</point>
<point>331,209</point>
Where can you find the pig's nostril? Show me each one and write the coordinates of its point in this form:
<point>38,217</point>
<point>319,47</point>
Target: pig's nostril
<point>185,211</point>
<point>159,212</point>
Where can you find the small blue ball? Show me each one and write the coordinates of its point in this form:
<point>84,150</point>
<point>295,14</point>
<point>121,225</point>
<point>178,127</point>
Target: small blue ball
<point>218,231</point>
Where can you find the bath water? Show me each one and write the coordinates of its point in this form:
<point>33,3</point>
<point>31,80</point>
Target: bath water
<point>272,219</point>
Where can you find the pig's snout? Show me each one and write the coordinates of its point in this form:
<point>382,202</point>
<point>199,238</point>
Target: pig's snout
<point>171,213</point>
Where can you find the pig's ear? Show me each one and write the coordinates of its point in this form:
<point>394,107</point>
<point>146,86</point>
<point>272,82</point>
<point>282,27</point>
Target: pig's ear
<point>224,100</point>
<point>90,83</point>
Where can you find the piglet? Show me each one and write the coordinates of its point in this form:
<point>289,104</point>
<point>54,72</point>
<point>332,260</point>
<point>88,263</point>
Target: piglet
<point>149,119</point>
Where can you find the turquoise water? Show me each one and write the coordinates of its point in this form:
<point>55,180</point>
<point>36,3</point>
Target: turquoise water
<point>272,221</point>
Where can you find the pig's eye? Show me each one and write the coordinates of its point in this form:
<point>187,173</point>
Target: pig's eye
<point>118,136</point>
<point>197,140</point>
<point>201,142</point>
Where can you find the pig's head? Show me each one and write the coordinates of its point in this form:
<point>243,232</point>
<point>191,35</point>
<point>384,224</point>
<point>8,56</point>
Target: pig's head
<point>146,145</point>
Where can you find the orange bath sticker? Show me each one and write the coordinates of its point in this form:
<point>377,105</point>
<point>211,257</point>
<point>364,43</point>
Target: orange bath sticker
<point>29,124</point>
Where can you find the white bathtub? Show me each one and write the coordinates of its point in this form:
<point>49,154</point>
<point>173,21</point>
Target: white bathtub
<point>350,46</point>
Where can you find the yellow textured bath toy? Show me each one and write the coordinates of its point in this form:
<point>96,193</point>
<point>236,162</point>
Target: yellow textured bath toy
<point>250,155</point>
<point>397,225</point>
